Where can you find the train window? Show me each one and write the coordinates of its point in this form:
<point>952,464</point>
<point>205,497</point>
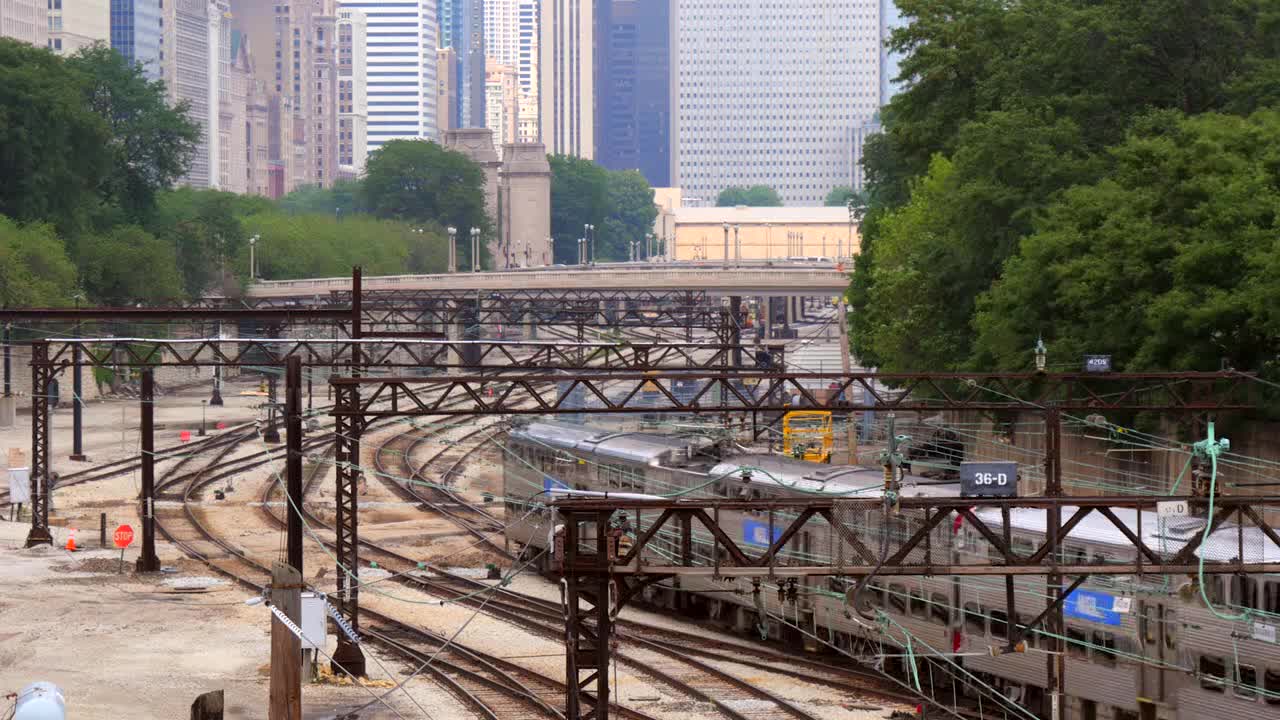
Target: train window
<point>1271,597</point>
<point>1271,684</point>
<point>940,608</point>
<point>999,624</point>
<point>1076,643</point>
<point>1246,681</point>
<point>898,598</point>
<point>1170,631</point>
<point>1214,589</point>
<point>1104,648</point>
<point>1213,673</point>
<point>975,623</point>
<point>1244,591</point>
<point>919,606</point>
<point>1023,547</point>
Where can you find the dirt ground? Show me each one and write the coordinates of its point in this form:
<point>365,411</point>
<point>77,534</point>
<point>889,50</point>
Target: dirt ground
<point>144,646</point>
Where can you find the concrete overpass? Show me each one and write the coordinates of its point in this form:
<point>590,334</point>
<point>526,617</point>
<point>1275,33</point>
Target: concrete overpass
<point>759,279</point>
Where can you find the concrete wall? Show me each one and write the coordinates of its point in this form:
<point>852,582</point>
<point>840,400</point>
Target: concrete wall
<point>526,193</point>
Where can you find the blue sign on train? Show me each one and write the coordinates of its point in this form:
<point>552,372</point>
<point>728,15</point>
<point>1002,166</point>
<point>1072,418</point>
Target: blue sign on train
<point>757,533</point>
<point>549,483</point>
<point>1092,606</point>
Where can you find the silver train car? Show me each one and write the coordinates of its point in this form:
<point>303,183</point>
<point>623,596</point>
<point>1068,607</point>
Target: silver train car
<point>1139,648</point>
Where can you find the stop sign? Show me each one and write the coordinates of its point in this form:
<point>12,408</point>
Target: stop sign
<point>123,536</point>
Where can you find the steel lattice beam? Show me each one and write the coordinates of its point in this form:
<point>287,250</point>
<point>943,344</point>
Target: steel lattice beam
<point>391,353</point>
<point>753,391</point>
<point>348,655</point>
<point>737,559</point>
<point>41,377</point>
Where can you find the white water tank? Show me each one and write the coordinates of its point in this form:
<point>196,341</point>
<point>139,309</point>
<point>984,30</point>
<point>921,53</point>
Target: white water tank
<point>40,701</point>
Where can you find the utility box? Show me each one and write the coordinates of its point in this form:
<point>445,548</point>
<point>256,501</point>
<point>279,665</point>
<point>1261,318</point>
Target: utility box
<point>314,628</point>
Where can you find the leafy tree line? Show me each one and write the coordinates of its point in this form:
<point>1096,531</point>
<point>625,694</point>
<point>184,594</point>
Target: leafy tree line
<point>1102,175</point>
<point>91,150</point>
<point>617,203</point>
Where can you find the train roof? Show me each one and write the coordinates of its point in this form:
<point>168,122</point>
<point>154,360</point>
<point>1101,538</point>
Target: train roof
<point>1223,544</point>
<point>842,480</point>
<point>645,448</point>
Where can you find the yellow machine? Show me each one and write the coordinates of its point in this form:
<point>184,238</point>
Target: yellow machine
<point>807,435</point>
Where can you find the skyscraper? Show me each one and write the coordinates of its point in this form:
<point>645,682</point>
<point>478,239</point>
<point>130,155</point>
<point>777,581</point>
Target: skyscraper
<point>527,48</point>
<point>769,93</point>
<point>73,24</point>
<point>25,20</point>
<point>567,68</point>
<point>635,94</point>
<point>502,31</point>
<point>502,103</point>
<point>353,95</point>
<point>401,68</point>
<point>135,32</point>
<point>190,53</point>
<point>462,28</point>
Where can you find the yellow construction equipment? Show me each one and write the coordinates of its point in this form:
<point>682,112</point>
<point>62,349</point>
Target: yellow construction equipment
<point>807,435</point>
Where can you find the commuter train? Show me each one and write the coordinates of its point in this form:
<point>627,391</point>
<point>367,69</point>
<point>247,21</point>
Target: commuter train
<point>1196,665</point>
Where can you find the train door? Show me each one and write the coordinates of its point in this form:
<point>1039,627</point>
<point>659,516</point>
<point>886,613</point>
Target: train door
<point>1155,633</point>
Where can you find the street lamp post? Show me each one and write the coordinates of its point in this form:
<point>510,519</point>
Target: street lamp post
<point>475,249</point>
<point>582,251</point>
<point>589,231</point>
<point>253,258</point>
<point>737,243</point>
<point>768,241</point>
<point>453,248</point>
<point>726,243</point>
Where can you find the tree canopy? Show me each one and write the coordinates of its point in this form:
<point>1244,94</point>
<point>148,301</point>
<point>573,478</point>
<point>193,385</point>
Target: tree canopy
<point>840,196</point>
<point>754,196</point>
<point>34,268</point>
<point>418,181</point>
<point>1022,138</point>
<point>617,203</point>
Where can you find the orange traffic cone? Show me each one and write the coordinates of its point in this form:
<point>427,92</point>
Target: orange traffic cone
<point>71,541</point>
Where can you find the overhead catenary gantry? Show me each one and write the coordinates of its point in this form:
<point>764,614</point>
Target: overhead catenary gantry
<point>599,581</point>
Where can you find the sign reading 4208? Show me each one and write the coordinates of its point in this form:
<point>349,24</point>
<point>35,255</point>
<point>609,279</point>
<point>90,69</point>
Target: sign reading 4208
<point>989,479</point>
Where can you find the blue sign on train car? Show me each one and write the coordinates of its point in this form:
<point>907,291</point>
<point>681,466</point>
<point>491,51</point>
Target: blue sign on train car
<point>1092,606</point>
<point>549,483</point>
<point>757,533</point>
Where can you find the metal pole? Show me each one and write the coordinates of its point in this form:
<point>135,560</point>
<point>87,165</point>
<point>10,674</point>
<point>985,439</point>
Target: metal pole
<point>1056,662</point>
<point>77,407</point>
<point>147,561</point>
<point>216,400</point>
<point>41,375</point>
<point>293,456</point>
<point>453,249</point>
<point>726,243</point>
<point>8,359</point>
<point>272,433</point>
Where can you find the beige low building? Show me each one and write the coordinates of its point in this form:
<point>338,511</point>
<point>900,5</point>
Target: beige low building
<point>756,233</point>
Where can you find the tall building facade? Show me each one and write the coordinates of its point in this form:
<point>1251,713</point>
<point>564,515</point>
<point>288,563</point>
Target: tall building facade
<point>890,19</point>
<point>635,90</point>
<point>527,38</point>
<point>190,52</point>
<point>567,72</point>
<point>463,29</point>
<point>136,30</point>
<point>401,68</point>
<point>74,24</point>
<point>769,93</point>
<point>502,31</point>
<point>502,103</point>
<point>446,93</point>
<point>25,20</point>
<point>353,96</point>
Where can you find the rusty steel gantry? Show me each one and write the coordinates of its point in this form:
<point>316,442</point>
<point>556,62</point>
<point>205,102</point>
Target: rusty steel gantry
<point>588,576</point>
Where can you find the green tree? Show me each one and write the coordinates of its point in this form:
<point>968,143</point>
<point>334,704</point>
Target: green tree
<point>840,196</point>
<point>342,200</point>
<point>579,196</point>
<point>34,268</point>
<point>151,141</point>
<point>1167,263</point>
<point>632,213</point>
<point>754,196</point>
<point>417,181</point>
<point>300,246</point>
<point>129,265</point>
<point>205,230</point>
<point>53,155</point>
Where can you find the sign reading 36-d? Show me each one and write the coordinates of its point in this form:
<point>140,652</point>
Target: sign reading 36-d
<point>989,479</point>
